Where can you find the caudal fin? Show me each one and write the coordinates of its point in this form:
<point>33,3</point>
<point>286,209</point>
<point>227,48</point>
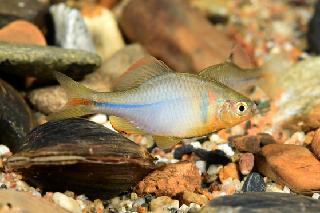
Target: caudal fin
<point>80,98</point>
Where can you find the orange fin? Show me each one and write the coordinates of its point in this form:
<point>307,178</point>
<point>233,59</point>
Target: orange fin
<point>78,101</point>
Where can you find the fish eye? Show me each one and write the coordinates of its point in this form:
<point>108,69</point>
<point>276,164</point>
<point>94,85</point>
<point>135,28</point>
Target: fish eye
<point>241,107</point>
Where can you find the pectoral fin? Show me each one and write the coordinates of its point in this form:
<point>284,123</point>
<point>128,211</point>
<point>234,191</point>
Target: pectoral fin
<point>122,125</point>
<point>166,142</point>
<point>141,71</point>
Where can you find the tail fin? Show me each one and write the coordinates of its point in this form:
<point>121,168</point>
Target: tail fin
<point>80,98</point>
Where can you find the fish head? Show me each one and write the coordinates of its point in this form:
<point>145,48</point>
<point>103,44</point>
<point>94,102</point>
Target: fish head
<point>236,109</point>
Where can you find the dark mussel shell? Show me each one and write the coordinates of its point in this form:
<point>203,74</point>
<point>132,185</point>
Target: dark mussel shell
<point>15,117</point>
<point>82,156</point>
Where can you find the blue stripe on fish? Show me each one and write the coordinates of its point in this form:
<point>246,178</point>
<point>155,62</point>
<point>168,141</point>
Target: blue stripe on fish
<point>125,106</point>
<point>204,106</point>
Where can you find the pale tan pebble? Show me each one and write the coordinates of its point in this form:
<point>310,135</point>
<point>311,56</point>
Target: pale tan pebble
<point>209,145</point>
<point>230,186</point>
<point>4,150</point>
<point>214,169</point>
<point>66,202</point>
<point>237,130</point>
<point>217,139</point>
<point>226,148</point>
<point>133,196</point>
<point>316,196</point>
<point>286,189</point>
<point>273,187</point>
<point>201,165</point>
<point>297,138</point>
<point>191,197</point>
<point>163,204</point>
<point>99,118</point>
<point>196,144</point>
<point>309,137</point>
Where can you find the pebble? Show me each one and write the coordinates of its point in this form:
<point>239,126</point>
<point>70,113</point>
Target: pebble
<point>296,139</point>
<point>290,165</point>
<point>214,169</point>
<point>70,30</point>
<point>201,165</point>
<point>250,143</point>
<point>171,180</point>
<point>229,171</point>
<point>66,202</point>
<point>254,183</point>
<point>316,196</point>
<point>99,118</point>
<point>22,32</point>
<point>163,204</point>
<point>246,163</point>
<point>226,149</point>
<point>104,30</point>
<point>315,144</point>
<point>191,197</point>
<point>4,150</point>
<point>230,186</point>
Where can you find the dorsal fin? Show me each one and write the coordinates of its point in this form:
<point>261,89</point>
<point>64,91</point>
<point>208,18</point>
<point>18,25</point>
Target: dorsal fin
<point>122,125</point>
<point>141,71</point>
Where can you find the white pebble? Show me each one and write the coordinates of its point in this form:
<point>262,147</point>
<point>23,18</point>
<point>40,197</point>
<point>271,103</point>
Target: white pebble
<point>226,148</point>
<point>286,189</point>
<point>4,150</point>
<point>201,166</point>
<point>99,118</point>
<point>214,169</point>
<point>196,144</point>
<point>316,196</point>
<point>66,202</point>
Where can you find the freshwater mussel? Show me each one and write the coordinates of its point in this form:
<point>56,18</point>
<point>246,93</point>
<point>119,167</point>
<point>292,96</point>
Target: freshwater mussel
<point>15,117</point>
<point>81,156</point>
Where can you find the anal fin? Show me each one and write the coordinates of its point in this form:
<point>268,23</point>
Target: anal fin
<point>122,125</point>
<point>164,142</point>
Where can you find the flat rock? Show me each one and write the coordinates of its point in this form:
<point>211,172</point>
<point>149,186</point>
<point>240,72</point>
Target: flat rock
<point>20,202</point>
<point>22,32</point>
<point>290,165</point>
<point>53,98</point>
<point>263,202</point>
<point>40,62</point>
<point>174,32</point>
<point>251,143</point>
<point>171,180</point>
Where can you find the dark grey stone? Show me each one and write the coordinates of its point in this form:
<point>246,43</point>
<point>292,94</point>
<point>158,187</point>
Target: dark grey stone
<point>254,183</point>
<point>263,202</point>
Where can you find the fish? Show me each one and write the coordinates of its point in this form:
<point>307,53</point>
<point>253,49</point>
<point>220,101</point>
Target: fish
<point>153,99</point>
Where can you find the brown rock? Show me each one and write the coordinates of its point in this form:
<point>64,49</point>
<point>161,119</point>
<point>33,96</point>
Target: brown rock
<point>177,34</point>
<point>249,143</point>
<point>22,32</point>
<point>171,180</point>
<point>25,202</point>
<point>291,165</point>
<point>191,197</point>
<point>230,170</point>
<point>315,144</point>
<point>246,163</point>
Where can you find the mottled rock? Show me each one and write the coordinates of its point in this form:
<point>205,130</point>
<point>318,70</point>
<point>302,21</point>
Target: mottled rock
<point>103,29</point>
<point>171,180</point>
<point>40,62</point>
<point>19,202</point>
<point>290,165</point>
<point>246,163</point>
<point>34,11</point>
<point>70,29</point>
<point>315,144</point>
<point>174,35</point>
<point>298,105</point>
<point>163,204</point>
<point>191,197</point>
<point>258,202</point>
<point>66,202</point>
<point>250,143</point>
<point>254,183</point>
<point>22,32</point>
<point>229,171</point>
<point>52,99</point>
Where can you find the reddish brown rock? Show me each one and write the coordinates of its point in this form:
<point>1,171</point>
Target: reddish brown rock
<point>171,180</point>
<point>177,34</point>
<point>22,32</point>
<point>230,170</point>
<point>290,165</point>
<point>249,143</point>
<point>315,144</point>
<point>246,163</point>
